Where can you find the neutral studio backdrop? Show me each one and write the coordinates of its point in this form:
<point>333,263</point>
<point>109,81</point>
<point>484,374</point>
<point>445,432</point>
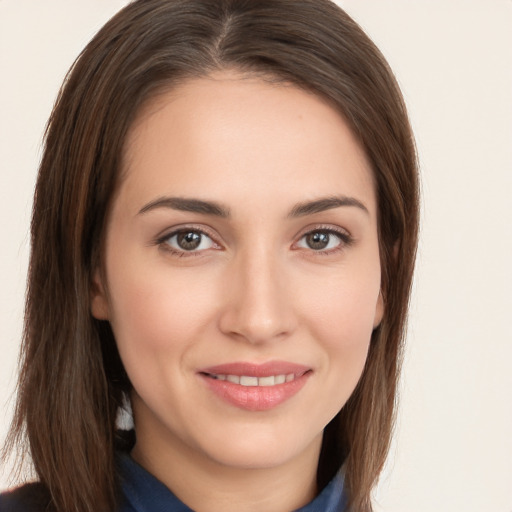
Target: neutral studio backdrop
<point>453,58</point>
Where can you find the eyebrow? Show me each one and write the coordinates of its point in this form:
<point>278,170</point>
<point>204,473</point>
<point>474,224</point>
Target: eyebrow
<point>218,210</point>
<point>323,204</point>
<point>188,205</point>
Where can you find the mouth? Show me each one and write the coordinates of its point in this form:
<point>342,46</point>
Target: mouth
<point>256,387</point>
<point>250,381</point>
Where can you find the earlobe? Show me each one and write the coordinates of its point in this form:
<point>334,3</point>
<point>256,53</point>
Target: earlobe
<point>379,311</point>
<point>99,302</point>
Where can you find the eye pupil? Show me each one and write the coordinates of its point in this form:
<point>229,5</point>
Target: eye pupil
<point>317,240</point>
<point>188,240</point>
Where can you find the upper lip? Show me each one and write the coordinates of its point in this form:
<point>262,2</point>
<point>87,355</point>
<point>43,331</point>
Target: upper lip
<point>256,369</point>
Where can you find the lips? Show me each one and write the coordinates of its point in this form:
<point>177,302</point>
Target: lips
<point>256,387</point>
<point>248,380</point>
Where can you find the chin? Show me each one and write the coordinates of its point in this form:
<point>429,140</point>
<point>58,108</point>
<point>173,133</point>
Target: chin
<point>260,449</point>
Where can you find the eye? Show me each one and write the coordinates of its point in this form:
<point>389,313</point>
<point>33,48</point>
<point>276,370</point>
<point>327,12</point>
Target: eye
<point>322,240</point>
<point>187,240</point>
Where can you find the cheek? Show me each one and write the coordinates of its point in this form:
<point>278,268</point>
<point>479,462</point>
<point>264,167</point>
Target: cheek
<point>157,319</point>
<point>343,310</point>
<point>153,311</point>
<point>341,319</point>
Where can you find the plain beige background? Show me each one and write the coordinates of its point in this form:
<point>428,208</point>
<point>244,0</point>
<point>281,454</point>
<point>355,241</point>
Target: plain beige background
<point>453,58</point>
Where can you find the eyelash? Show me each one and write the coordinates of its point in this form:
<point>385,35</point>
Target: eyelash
<point>163,241</point>
<point>345,240</point>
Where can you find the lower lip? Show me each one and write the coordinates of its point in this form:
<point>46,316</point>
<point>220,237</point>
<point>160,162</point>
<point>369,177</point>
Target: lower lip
<point>256,398</point>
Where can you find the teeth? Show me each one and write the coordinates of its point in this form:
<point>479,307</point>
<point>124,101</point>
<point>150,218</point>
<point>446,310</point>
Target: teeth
<point>267,381</point>
<point>280,379</point>
<point>246,380</point>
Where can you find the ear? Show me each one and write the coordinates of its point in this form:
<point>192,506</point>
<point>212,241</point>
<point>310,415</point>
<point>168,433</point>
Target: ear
<point>379,311</point>
<point>99,301</point>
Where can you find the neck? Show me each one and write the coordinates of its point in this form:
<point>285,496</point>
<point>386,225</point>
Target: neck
<point>204,485</point>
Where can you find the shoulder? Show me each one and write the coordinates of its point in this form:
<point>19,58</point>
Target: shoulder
<point>31,497</point>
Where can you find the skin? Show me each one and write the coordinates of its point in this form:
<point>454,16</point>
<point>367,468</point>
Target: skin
<point>255,290</point>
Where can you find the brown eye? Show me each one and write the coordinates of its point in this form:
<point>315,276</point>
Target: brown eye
<point>323,240</point>
<point>188,241</point>
<point>317,240</point>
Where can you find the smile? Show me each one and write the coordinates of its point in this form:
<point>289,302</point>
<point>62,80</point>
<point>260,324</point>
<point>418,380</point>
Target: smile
<point>256,387</point>
<point>247,380</point>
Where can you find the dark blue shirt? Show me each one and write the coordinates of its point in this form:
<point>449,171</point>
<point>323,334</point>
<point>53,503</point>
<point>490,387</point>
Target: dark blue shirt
<point>144,493</point>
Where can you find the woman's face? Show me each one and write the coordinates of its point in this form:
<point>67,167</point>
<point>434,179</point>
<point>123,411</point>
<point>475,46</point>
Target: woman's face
<point>242,271</point>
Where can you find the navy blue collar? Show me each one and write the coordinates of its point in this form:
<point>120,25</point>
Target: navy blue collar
<point>142,492</point>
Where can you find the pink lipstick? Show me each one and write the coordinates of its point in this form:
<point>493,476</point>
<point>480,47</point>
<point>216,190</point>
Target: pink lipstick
<point>256,387</point>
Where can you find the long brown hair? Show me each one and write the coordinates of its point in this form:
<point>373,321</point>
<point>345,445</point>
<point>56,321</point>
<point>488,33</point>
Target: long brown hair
<point>72,382</point>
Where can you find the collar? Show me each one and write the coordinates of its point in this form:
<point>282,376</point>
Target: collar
<point>142,492</point>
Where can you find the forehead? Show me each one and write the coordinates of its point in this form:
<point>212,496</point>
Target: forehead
<point>235,134</point>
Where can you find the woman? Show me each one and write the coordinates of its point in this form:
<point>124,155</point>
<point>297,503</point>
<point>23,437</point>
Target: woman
<point>223,235</point>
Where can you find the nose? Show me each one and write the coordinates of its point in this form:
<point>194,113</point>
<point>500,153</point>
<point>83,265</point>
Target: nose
<point>257,301</point>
